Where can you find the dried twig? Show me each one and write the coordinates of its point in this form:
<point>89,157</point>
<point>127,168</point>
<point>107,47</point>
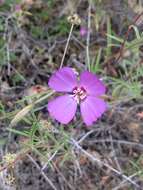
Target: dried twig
<point>93,158</point>
<point>43,174</point>
<point>123,183</point>
<point>117,141</point>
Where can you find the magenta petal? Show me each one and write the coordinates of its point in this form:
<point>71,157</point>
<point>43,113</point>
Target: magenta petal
<point>91,109</point>
<point>92,84</point>
<point>63,80</point>
<point>62,108</point>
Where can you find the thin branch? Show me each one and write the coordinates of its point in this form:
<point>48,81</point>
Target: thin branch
<point>43,174</point>
<point>114,151</point>
<point>75,143</point>
<point>85,136</point>
<point>122,184</point>
<point>118,141</point>
<point>66,47</point>
<point>50,159</point>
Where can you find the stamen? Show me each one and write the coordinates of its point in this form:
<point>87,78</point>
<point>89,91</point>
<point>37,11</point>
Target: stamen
<point>79,94</point>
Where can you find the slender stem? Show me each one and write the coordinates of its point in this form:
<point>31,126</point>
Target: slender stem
<point>69,37</point>
<point>126,36</point>
<point>88,37</point>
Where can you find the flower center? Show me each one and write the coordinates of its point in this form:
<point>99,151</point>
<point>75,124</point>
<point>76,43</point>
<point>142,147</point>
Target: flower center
<point>79,94</point>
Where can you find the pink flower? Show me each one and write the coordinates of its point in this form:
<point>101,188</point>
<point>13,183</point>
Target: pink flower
<point>86,92</point>
<point>83,31</point>
<point>17,7</point>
